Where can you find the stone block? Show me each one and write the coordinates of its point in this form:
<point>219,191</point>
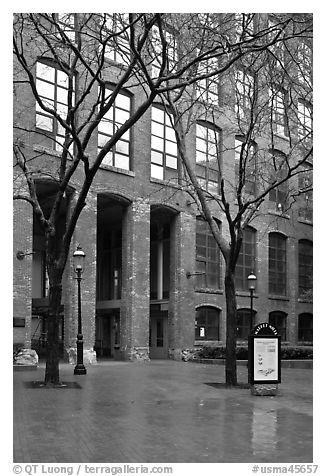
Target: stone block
<point>140,354</point>
<point>26,357</point>
<point>89,356</point>
<point>264,389</point>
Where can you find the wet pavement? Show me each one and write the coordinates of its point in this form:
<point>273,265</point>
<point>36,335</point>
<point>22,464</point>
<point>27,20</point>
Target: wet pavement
<point>157,412</point>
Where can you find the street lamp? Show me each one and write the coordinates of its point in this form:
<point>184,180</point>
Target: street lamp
<point>252,278</point>
<point>79,258</point>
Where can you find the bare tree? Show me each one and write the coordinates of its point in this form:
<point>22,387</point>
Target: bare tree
<point>272,105</point>
<point>75,48</point>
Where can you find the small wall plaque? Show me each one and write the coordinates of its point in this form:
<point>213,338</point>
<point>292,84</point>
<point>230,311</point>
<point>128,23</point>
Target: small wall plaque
<point>19,321</point>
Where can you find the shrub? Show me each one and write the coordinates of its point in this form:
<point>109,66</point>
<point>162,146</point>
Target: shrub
<point>287,352</point>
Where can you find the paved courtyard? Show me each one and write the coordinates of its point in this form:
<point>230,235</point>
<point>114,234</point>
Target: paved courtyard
<point>157,412</point>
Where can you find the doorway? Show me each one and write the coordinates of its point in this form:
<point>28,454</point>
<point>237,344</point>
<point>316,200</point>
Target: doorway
<point>107,333</point>
<point>158,335</point>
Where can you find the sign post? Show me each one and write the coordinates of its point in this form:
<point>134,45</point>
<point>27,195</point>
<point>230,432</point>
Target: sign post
<point>264,359</point>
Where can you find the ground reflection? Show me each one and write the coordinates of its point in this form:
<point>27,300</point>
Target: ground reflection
<point>263,431</point>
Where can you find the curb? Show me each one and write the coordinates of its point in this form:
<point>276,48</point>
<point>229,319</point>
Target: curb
<point>24,367</point>
<point>285,364</point>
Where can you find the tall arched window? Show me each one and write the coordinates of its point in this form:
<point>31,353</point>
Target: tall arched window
<point>278,169</point>
<point>278,104</point>
<point>244,324</point>
<point>207,257</point>
<point>305,267</point>
<point>208,157</point>
<point>208,88</point>
<point>277,264</point>
<point>164,152</point>
<point>278,319</point>
<point>304,120</point>
<point>118,114</point>
<point>207,324</point>
<point>245,165</point>
<point>305,201</point>
<point>244,93</point>
<point>115,26</point>
<point>55,91</point>
<point>246,260</point>
<point>305,327</point>
<point>160,260</point>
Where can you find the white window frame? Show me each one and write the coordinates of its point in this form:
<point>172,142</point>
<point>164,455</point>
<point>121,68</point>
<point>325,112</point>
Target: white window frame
<point>304,119</point>
<point>116,157</point>
<point>164,152</point>
<point>278,107</point>
<point>113,24</point>
<point>244,90</point>
<point>207,89</point>
<point>48,77</point>
<point>250,165</point>
<point>208,140</point>
<point>172,51</point>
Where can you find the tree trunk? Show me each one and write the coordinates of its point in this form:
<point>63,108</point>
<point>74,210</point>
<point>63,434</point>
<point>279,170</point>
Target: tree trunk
<point>231,336</point>
<point>52,358</point>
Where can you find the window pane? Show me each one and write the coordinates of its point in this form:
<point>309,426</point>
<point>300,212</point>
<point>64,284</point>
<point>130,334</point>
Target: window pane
<point>157,143</point>
<point>47,103</point>
<point>121,116</point>
<point>45,89</point>
<point>62,95</point>
<point>106,127</point>
<point>212,136</point>
<point>62,79</point>
<point>201,145</point>
<point>45,72</point>
<point>157,114</point>
<point>121,161</point>
<point>157,157</point>
<point>102,140</point>
<point>171,162</point>
<point>170,134</point>
<point>123,102</point>
<point>171,148</point>
<point>122,147</point>
<point>156,172</point>
<point>212,187</point>
<point>62,110</point>
<point>170,174</point>
<point>201,131</point>
<point>157,129</point>
<point>44,122</point>
<point>200,157</point>
<point>108,159</point>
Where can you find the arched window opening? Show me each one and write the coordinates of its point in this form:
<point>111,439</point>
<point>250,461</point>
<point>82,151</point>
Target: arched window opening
<point>305,327</point>
<point>207,324</point>
<point>244,324</point>
<point>277,264</point>
<point>278,319</point>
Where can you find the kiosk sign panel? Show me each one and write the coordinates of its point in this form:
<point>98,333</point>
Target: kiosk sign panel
<point>266,359</point>
<point>264,355</point>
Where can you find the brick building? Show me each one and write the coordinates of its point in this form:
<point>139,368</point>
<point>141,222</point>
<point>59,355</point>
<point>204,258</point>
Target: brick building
<point>153,279</point>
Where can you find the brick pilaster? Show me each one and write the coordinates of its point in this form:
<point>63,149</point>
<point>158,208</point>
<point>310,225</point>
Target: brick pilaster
<point>134,318</point>
<point>182,299</point>
<point>85,236</point>
<point>22,278</point>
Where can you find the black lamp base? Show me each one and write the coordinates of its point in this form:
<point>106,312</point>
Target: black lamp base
<point>80,369</point>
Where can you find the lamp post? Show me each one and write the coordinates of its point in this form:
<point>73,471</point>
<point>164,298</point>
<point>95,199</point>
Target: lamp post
<point>79,258</point>
<point>252,278</point>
